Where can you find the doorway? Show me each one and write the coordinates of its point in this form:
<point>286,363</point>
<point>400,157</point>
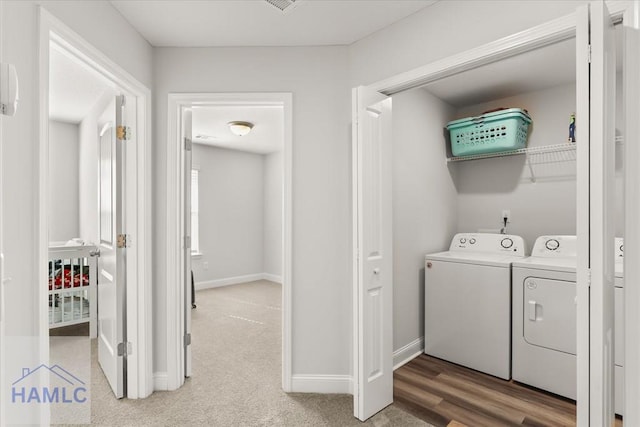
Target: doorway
<point>181,108</point>
<point>369,111</point>
<point>106,119</point>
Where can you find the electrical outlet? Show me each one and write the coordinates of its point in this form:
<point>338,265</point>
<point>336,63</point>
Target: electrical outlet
<point>205,265</point>
<point>506,213</point>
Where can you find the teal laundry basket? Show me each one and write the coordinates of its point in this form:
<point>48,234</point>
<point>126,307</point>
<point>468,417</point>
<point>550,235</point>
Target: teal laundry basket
<point>503,130</point>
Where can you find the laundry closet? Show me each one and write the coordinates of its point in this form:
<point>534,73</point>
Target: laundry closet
<point>535,189</point>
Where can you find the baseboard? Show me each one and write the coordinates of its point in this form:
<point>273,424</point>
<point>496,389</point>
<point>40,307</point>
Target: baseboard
<point>228,281</point>
<point>407,353</point>
<point>321,384</point>
<point>208,284</point>
<point>160,381</point>
<point>272,278</point>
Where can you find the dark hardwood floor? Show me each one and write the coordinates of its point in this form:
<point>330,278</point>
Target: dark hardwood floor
<point>449,395</point>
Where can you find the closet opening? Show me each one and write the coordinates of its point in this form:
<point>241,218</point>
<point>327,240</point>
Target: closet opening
<point>521,207</point>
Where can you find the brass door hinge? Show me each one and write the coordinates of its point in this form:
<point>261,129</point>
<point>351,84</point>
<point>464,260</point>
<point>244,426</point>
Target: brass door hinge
<point>123,133</point>
<point>122,241</point>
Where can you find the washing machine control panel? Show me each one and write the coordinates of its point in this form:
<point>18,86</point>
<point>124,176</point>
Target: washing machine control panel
<point>555,246</point>
<point>487,242</point>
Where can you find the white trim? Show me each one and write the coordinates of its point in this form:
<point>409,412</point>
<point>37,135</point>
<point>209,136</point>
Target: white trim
<point>218,283</point>
<point>209,284</point>
<point>355,223</point>
<point>272,277</point>
<point>406,354</point>
<point>321,384</point>
<point>160,381</point>
<point>2,305</point>
<point>632,212</point>
<point>177,102</point>
<point>139,286</point>
<point>559,29</point>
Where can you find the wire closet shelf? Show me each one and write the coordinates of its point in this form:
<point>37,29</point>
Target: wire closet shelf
<point>546,154</point>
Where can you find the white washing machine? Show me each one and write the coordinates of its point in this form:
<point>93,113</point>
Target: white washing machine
<point>618,352</point>
<point>468,301</point>
<point>544,316</point>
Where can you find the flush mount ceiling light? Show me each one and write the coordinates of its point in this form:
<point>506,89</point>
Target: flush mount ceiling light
<point>240,128</point>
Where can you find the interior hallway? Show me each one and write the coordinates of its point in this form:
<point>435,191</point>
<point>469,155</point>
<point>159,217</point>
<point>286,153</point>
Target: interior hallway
<point>236,374</point>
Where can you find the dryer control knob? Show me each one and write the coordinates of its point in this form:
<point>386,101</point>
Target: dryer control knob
<point>463,240</point>
<point>552,244</point>
<point>472,241</point>
<point>506,243</point>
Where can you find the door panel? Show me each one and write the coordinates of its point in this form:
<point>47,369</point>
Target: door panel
<point>602,193</point>
<point>187,138</point>
<point>372,178</point>
<point>550,314</point>
<point>111,271</point>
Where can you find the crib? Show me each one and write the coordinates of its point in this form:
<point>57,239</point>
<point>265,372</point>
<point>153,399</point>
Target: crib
<point>72,285</point>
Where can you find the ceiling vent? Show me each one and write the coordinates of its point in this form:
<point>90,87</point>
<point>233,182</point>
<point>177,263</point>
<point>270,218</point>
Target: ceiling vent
<point>283,5</point>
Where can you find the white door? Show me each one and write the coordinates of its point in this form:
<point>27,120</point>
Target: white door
<point>373,316</point>
<point>187,138</point>
<point>111,264</point>
<point>632,229</point>
<point>596,166</point>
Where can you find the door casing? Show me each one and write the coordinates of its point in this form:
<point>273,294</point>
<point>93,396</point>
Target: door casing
<point>548,33</point>
<point>138,292</point>
<point>176,304</point>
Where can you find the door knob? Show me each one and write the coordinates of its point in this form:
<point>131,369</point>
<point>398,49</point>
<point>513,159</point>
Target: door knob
<point>376,271</point>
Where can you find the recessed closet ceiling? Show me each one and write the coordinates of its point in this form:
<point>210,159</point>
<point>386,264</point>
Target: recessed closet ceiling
<point>258,23</point>
<point>542,68</point>
<point>535,70</point>
<point>210,127</point>
<point>73,88</point>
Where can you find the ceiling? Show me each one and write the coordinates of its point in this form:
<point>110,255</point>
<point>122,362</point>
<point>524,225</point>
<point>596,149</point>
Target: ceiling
<point>534,70</point>
<point>210,127</point>
<point>73,88</point>
<point>258,23</point>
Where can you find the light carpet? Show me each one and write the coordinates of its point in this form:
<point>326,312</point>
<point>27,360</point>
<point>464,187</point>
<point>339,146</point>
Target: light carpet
<point>236,342</point>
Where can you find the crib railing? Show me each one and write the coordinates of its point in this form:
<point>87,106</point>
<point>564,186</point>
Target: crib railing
<point>72,286</point>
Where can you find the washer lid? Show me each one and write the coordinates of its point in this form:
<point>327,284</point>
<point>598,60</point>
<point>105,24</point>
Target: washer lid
<point>475,258</point>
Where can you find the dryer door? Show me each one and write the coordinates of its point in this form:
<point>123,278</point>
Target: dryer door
<point>550,314</point>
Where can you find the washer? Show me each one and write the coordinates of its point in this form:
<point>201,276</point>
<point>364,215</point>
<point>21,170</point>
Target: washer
<point>544,316</point>
<point>468,301</point>
<point>618,349</point>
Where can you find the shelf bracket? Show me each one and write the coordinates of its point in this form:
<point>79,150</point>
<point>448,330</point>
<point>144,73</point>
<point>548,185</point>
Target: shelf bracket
<point>533,175</point>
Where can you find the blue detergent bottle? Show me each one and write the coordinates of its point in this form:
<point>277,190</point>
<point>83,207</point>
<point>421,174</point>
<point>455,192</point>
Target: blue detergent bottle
<point>572,128</point>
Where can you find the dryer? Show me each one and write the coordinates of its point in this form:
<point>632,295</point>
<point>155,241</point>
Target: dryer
<point>544,316</point>
<point>468,301</point>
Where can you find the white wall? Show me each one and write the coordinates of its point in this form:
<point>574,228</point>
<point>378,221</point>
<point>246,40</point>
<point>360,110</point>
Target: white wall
<point>272,244</point>
<point>231,213</point>
<point>443,29</point>
<point>321,282</point>
<point>424,204</point>
<point>546,206</point>
<point>63,181</point>
<point>106,29</point>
